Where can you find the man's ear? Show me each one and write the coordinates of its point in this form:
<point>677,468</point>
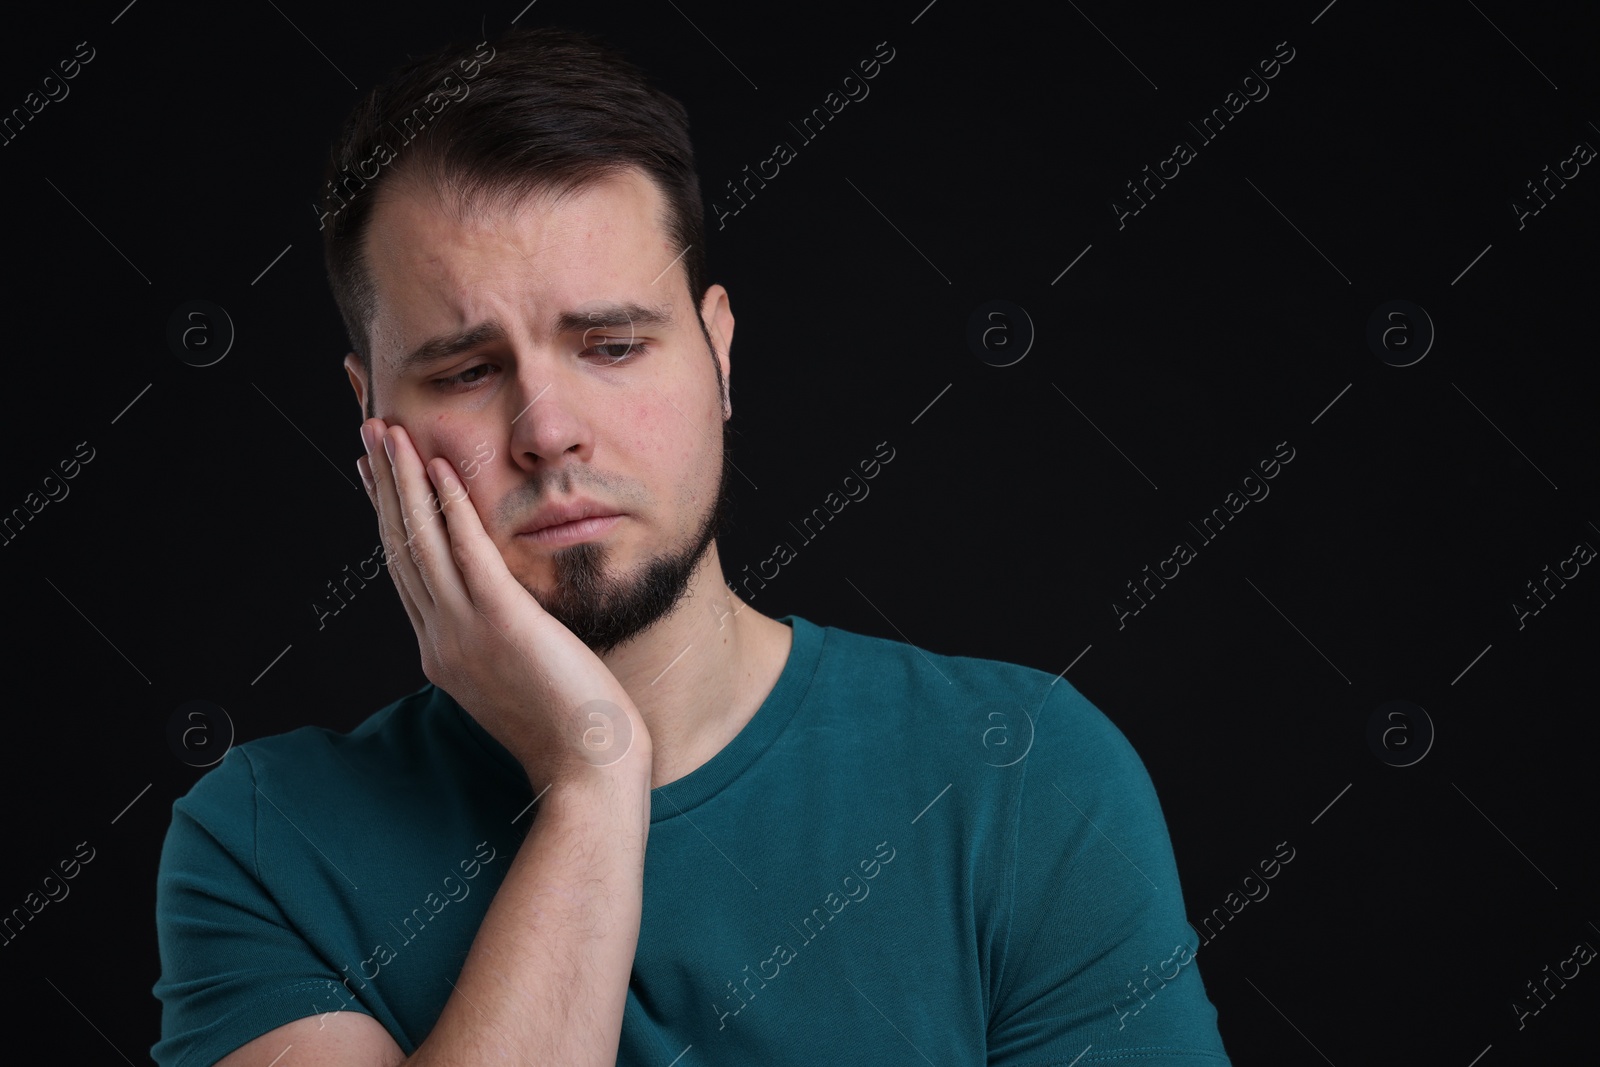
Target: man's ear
<point>358,380</point>
<point>718,317</point>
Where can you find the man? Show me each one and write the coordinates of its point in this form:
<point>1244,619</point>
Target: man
<point>633,820</point>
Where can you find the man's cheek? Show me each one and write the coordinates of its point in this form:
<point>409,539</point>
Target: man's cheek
<point>484,453</point>
<point>467,448</point>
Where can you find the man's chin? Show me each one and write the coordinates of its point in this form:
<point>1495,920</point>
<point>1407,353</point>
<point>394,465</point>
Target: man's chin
<point>605,610</point>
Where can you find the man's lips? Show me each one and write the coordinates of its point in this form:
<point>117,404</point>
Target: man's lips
<point>574,521</point>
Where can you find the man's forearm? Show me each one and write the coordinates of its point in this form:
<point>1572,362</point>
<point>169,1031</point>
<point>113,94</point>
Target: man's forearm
<point>547,976</point>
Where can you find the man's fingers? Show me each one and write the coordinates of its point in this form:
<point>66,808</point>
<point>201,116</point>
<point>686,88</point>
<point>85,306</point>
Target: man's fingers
<point>364,466</point>
<point>427,536</point>
<point>392,526</point>
<point>475,555</point>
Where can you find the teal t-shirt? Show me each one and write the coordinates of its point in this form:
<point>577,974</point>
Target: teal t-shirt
<point>902,858</point>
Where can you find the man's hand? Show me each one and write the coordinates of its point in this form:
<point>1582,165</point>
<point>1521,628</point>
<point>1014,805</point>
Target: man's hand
<point>530,682</point>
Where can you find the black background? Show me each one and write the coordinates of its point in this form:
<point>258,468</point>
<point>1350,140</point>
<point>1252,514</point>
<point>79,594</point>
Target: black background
<point>1224,318</point>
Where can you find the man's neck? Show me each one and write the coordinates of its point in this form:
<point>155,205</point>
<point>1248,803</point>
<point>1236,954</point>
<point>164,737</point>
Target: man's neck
<point>700,674</point>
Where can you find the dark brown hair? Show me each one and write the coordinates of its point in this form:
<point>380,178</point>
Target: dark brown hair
<point>536,110</point>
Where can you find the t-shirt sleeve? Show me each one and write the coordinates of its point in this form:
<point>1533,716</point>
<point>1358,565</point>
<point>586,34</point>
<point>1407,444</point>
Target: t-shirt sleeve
<point>232,965</point>
<point>1099,965</point>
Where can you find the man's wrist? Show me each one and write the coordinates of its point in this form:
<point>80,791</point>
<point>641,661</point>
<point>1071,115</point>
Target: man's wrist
<point>579,779</point>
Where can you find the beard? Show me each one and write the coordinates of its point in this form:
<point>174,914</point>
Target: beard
<point>605,610</point>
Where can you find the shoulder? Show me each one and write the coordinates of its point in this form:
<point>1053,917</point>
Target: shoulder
<point>1010,706</point>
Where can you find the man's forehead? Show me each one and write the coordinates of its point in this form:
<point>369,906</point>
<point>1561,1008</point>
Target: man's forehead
<point>613,221</point>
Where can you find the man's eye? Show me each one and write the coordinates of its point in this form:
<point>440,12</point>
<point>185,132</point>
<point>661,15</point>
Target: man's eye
<point>615,351</point>
<point>471,376</point>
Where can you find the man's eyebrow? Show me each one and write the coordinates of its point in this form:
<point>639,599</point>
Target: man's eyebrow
<point>605,316</point>
<point>613,316</point>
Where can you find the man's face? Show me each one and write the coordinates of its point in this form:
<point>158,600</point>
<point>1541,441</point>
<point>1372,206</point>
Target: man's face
<point>554,356</point>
